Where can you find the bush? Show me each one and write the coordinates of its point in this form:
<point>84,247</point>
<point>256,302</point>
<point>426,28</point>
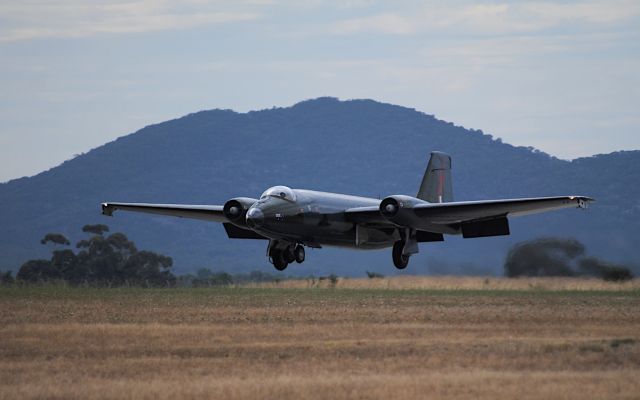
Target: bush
<point>617,274</point>
<point>559,257</point>
<point>6,278</point>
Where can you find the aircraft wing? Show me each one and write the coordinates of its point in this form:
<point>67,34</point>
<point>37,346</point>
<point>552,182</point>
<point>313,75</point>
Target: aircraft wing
<point>207,213</point>
<point>463,211</point>
<point>467,211</point>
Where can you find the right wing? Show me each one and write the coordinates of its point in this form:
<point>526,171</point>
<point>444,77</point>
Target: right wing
<point>207,213</point>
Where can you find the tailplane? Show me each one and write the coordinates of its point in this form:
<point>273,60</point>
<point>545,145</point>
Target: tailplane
<point>436,183</point>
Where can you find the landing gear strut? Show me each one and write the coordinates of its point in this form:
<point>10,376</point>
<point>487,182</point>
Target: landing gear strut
<point>400,260</point>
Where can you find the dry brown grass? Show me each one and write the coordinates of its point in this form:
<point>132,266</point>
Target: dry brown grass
<point>319,344</point>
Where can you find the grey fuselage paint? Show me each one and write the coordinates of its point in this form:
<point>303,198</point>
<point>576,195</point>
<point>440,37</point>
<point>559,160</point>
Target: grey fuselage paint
<point>317,219</point>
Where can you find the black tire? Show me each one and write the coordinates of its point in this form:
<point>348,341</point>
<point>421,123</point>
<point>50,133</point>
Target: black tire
<point>399,260</point>
<point>277,258</point>
<point>289,254</point>
<point>299,254</point>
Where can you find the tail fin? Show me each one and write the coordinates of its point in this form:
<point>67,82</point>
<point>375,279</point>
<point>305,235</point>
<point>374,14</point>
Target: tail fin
<point>436,183</point>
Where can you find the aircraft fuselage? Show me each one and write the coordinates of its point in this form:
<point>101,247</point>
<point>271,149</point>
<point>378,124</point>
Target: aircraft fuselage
<point>316,219</point>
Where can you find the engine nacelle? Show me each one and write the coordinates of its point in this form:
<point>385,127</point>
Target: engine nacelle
<point>399,209</point>
<point>235,210</point>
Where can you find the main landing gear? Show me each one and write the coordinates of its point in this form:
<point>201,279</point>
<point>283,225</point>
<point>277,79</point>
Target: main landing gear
<point>405,247</point>
<point>400,260</point>
<point>282,257</point>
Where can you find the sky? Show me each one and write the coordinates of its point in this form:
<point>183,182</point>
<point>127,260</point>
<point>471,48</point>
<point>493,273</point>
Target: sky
<point>563,77</point>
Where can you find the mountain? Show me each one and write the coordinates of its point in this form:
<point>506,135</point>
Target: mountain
<point>359,147</point>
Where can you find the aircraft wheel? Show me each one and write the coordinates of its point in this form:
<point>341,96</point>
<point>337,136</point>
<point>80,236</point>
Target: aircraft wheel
<point>279,262</point>
<point>289,254</point>
<point>399,260</point>
<point>299,254</point>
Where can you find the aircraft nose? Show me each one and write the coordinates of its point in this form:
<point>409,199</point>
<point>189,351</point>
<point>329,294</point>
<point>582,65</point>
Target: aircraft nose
<point>255,217</point>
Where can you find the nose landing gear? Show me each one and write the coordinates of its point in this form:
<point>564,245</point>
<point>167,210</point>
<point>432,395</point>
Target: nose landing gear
<point>281,257</point>
<point>299,254</point>
<point>278,260</point>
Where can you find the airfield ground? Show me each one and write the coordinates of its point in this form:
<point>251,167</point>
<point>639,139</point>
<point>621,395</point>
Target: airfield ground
<point>455,338</point>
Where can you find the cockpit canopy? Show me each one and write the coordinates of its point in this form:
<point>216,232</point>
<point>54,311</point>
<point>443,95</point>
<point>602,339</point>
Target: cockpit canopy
<point>282,192</point>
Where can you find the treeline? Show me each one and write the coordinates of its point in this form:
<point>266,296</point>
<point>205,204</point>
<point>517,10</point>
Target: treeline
<point>100,260</point>
<point>112,260</point>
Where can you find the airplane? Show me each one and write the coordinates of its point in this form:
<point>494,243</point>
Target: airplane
<point>292,219</point>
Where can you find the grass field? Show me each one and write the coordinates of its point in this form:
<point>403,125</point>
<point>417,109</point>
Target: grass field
<point>451,338</point>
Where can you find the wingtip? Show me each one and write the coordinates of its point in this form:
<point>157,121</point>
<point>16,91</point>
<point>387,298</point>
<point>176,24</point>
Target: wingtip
<point>107,209</point>
<point>583,201</point>
<point>583,198</point>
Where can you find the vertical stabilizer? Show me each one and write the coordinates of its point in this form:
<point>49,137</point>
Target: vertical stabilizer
<point>436,183</point>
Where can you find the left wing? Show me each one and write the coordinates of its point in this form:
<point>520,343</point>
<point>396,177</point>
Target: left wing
<point>207,213</point>
<point>467,211</point>
<point>463,211</point>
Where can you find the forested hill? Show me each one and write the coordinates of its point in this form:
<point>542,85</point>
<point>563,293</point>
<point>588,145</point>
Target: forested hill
<point>360,147</point>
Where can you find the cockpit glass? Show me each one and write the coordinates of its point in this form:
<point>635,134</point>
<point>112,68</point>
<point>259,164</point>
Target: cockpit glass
<point>282,192</point>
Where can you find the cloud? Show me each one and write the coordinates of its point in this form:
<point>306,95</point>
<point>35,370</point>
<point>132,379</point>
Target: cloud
<point>74,18</point>
<point>489,18</point>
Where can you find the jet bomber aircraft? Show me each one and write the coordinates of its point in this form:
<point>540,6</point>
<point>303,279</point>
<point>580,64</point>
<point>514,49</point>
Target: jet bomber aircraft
<point>290,219</point>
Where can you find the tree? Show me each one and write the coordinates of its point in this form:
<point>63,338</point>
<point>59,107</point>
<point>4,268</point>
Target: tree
<point>145,268</point>
<point>608,272</point>
<point>101,260</point>
<point>66,262</point>
<point>97,229</point>
<point>38,271</point>
<point>55,238</point>
<point>559,257</point>
<point>543,257</point>
<point>104,258</point>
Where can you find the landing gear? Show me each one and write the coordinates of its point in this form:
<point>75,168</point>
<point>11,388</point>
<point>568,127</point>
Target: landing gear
<point>289,254</point>
<point>400,260</point>
<point>282,257</point>
<point>278,259</point>
<point>299,254</point>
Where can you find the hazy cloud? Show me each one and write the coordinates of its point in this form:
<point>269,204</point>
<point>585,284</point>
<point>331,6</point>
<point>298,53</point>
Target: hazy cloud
<point>489,18</point>
<point>73,18</point>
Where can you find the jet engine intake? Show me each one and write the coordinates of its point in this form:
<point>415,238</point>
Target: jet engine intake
<point>235,210</point>
<point>399,209</point>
